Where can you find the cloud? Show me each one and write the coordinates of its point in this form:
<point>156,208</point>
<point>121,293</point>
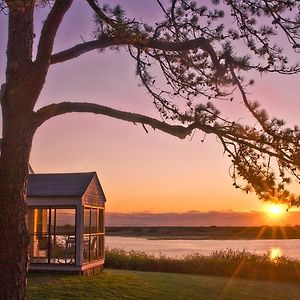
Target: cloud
<point>196,218</point>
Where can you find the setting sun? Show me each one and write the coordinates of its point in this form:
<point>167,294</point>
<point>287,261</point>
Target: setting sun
<point>275,210</point>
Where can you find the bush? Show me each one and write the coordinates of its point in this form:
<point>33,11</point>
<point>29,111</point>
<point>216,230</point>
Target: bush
<point>220,263</point>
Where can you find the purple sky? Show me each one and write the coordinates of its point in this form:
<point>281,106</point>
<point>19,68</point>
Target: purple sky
<point>139,172</point>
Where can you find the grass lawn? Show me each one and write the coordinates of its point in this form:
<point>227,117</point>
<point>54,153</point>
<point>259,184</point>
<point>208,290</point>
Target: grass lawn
<point>119,284</point>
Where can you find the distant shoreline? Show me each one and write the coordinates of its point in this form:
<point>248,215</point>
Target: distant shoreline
<point>206,233</point>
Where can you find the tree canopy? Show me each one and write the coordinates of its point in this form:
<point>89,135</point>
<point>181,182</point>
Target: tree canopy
<point>191,58</point>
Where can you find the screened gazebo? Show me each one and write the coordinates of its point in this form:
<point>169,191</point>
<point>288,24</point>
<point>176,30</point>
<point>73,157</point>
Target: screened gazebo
<point>66,222</point>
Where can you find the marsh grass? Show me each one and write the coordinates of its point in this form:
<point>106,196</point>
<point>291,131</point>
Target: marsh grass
<point>239,264</point>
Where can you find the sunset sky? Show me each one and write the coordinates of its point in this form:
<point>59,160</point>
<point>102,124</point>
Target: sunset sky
<point>139,172</point>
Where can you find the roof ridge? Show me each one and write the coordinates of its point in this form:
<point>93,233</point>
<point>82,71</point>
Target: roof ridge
<point>69,173</point>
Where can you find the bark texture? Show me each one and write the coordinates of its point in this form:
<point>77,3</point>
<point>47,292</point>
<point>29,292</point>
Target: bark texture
<point>17,100</point>
<point>13,231</point>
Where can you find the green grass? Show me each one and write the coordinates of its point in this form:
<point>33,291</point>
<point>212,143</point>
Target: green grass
<point>119,285</point>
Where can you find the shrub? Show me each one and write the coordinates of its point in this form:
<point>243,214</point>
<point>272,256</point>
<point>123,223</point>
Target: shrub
<point>220,263</point>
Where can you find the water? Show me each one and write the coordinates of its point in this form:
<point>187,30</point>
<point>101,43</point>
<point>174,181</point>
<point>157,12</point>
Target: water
<point>178,248</point>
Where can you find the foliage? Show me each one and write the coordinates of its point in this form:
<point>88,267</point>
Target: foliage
<point>190,58</point>
<point>230,38</point>
<point>220,263</point>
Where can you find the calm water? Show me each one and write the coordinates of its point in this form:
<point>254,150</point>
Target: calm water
<point>179,248</point>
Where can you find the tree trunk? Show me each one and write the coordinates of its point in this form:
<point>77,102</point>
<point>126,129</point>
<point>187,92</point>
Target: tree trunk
<point>17,105</point>
<point>18,97</point>
<point>13,232</point>
<point>14,239</point>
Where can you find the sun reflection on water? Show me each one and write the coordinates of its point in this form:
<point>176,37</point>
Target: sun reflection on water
<point>275,253</point>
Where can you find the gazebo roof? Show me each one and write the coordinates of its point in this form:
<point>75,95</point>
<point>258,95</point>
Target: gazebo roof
<point>59,184</point>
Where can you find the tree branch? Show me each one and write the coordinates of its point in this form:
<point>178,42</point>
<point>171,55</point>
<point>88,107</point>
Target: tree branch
<point>179,131</point>
<point>246,101</point>
<point>100,13</point>
<point>140,43</point>
<point>200,42</point>
<point>49,31</point>
<point>68,54</point>
<point>54,110</point>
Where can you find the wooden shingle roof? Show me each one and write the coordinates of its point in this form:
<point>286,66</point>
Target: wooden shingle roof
<point>59,184</point>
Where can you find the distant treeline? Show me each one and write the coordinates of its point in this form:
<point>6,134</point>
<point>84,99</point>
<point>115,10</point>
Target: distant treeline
<point>212,232</point>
